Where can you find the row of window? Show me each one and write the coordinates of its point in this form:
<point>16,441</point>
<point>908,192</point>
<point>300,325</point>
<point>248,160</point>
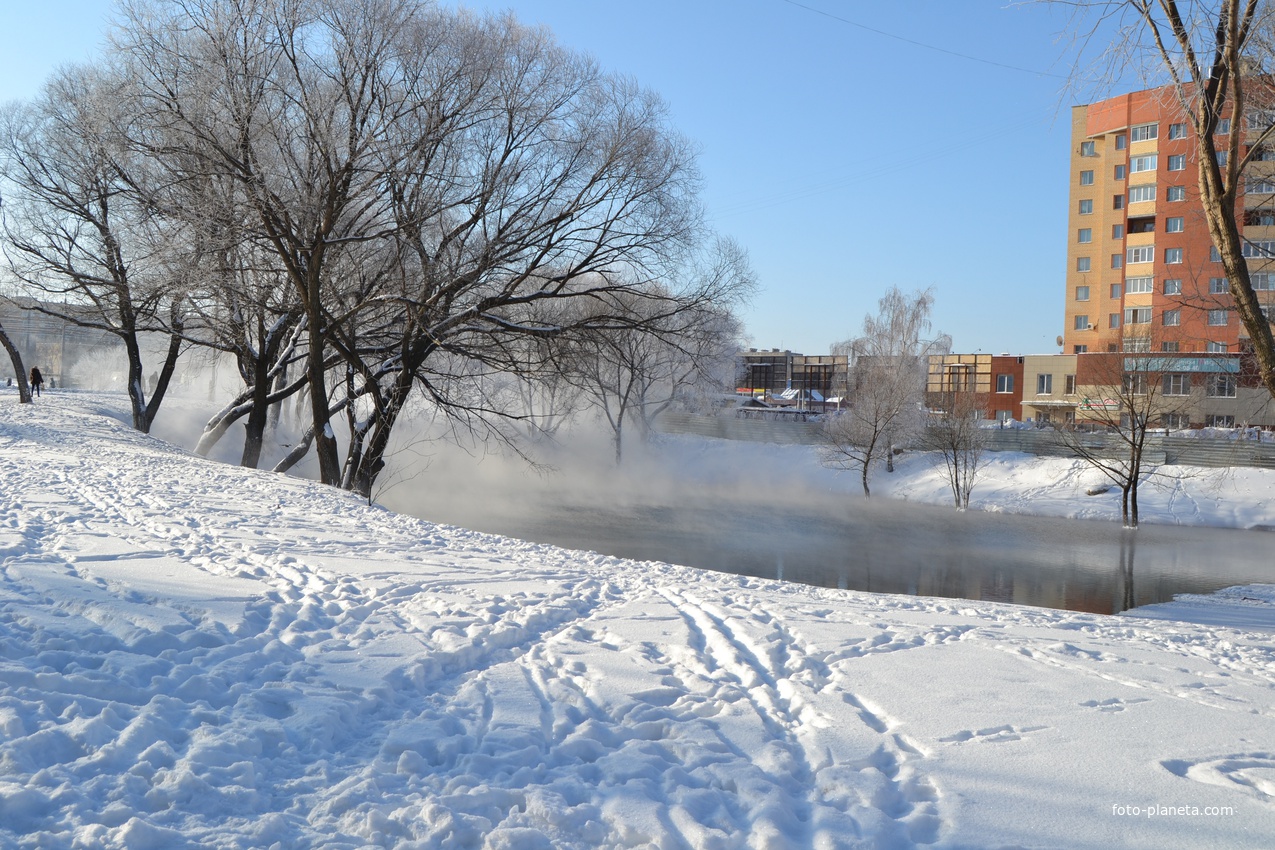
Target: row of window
<point>1145,284</point>
<point>1134,255</point>
<point>1142,345</point>
<point>1141,194</point>
<point>1172,224</point>
<point>1137,194</point>
<point>1215,318</point>
<point>1149,132</point>
<point>1260,250</point>
<point>1172,384</point>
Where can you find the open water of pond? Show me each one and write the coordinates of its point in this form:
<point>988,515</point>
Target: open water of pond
<point>892,547</point>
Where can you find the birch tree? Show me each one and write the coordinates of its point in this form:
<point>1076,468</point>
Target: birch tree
<point>887,377</point>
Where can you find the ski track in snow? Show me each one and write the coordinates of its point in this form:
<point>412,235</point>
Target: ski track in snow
<point>296,669</point>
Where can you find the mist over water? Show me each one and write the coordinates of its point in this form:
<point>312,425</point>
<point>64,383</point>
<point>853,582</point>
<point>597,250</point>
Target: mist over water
<point>767,514</point>
<point>760,510</point>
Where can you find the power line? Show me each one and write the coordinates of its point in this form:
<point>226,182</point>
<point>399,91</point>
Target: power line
<point>922,44</point>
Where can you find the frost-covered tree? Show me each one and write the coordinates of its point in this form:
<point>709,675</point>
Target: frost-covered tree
<point>83,234</point>
<point>888,364</point>
<point>955,434</point>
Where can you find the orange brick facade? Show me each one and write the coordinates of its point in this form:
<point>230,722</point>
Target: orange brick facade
<point>1140,268</point>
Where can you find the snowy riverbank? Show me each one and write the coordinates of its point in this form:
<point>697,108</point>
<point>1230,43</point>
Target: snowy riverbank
<point>196,655</point>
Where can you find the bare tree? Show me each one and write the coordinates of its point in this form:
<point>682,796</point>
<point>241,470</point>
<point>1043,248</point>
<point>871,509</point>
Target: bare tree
<point>548,181</point>
<point>424,180</point>
<point>82,234</point>
<point>663,350</point>
<point>1215,55</point>
<point>888,370</point>
<point>955,433</point>
<point>1131,395</point>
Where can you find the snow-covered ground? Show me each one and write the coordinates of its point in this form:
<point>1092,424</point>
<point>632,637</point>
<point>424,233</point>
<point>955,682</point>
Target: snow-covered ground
<point>193,655</point>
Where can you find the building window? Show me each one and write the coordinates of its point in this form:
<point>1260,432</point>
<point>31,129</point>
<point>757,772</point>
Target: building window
<point>1082,264</point>
<point>1259,186</point>
<point>1174,421</point>
<point>1117,202</point>
<point>1115,290</point>
<point>1261,249</point>
<point>1221,158</point>
<point>1117,260</point>
<point>1135,383</point>
<point>1004,383</point>
<point>1082,293</point>
<point>1120,142</point>
<point>1082,323</point>
<point>1137,315</point>
<point>1120,172</point>
<point>1220,386</point>
<point>1172,256</point>
<point>1146,162</point>
<point>1139,285</point>
<point>1117,231</point>
<point>1139,194</point>
<point>1173,224</point>
<point>1177,383</point>
<point>1176,193</point>
<point>1086,178</point>
<point>1137,344</point>
<point>1223,126</point>
<point>1215,347</point>
<point>1079,349</point>
<point>1113,320</point>
<point>1177,131</point>
<point>1144,132</point>
<point>1087,149</point>
<point>1217,318</point>
<point>1169,347</point>
<point>1141,254</point>
<point>1173,286</point>
<point>1216,420</point>
<point>1214,256</point>
<point>1086,206</point>
<point>1069,384</point>
<point>1262,281</point>
<point>1084,235</point>
<point>1217,286</point>
<point>1177,162</point>
<point>1172,318</point>
<point>1044,384</point>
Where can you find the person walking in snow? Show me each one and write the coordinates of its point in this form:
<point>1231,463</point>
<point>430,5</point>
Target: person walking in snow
<point>37,380</point>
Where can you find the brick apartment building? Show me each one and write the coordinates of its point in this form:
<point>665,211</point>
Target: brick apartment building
<point>1142,274</point>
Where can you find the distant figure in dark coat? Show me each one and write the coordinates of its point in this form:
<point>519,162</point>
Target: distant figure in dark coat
<point>37,380</point>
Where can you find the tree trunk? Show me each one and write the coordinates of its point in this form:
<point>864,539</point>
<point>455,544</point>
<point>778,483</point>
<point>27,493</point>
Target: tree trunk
<point>165,377</point>
<point>24,389</point>
<point>255,427</point>
<point>325,445</point>
<point>136,392</point>
<point>372,462</point>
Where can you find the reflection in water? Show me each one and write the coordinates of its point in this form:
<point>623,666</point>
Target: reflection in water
<point>891,547</point>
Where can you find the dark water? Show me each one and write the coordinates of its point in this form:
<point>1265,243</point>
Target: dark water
<point>893,547</point>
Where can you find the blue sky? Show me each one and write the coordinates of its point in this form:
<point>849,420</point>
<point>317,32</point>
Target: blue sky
<point>839,144</point>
